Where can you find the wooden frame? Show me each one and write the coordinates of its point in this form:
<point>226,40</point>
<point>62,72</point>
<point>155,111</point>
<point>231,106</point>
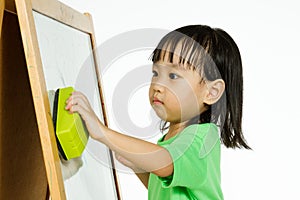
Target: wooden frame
<point>66,15</point>
<point>2,5</point>
<point>21,160</point>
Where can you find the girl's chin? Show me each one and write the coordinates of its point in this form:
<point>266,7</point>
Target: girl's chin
<point>160,112</point>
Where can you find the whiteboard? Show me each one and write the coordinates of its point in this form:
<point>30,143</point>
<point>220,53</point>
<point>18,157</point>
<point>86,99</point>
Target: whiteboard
<point>67,60</point>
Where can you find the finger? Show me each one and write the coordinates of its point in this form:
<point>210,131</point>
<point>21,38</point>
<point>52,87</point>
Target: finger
<point>77,98</point>
<point>77,108</point>
<point>72,108</point>
<point>70,102</point>
<point>78,101</point>
<point>77,94</point>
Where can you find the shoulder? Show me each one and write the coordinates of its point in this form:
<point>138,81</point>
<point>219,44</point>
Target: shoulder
<point>200,130</point>
<point>194,138</point>
<point>192,133</point>
<point>203,137</point>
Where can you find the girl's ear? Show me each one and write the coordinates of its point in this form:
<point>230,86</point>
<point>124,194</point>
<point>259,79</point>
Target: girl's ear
<point>215,91</point>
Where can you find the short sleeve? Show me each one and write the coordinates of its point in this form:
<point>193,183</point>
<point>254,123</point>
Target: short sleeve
<point>189,153</point>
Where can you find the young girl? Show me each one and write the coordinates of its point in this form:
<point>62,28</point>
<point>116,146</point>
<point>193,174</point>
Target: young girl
<point>197,90</point>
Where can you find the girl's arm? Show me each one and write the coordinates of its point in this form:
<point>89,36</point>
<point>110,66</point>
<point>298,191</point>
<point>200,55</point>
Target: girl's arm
<point>144,178</point>
<point>144,155</point>
<point>141,174</point>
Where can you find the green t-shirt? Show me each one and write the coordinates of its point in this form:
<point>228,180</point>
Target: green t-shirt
<point>196,159</point>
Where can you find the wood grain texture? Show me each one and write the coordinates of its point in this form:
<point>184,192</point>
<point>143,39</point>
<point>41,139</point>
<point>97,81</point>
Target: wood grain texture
<point>22,169</point>
<point>10,6</point>
<point>2,5</point>
<point>40,99</point>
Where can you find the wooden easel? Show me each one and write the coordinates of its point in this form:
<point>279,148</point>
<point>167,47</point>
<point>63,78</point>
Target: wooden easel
<point>1,14</point>
<point>22,168</point>
<point>29,161</point>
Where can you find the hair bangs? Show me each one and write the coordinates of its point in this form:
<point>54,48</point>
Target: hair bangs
<point>181,50</point>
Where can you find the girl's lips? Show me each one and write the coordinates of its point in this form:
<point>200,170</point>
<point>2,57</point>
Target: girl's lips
<point>157,101</point>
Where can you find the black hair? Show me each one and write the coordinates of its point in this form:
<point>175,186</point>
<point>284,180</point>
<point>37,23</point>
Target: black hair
<point>214,54</point>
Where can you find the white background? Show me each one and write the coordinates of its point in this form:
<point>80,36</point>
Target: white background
<point>267,33</point>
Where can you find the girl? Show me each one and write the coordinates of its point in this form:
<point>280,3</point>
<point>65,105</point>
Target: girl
<point>197,90</point>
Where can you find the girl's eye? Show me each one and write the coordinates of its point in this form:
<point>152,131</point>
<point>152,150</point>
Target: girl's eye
<point>173,76</point>
<point>154,73</point>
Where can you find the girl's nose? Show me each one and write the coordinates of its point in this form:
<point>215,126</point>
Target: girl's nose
<point>158,87</point>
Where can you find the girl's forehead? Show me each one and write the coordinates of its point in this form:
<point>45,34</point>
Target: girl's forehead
<point>162,63</point>
<point>167,65</point>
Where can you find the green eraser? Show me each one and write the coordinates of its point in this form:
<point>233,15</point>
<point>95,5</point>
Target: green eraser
<point>71,134</point>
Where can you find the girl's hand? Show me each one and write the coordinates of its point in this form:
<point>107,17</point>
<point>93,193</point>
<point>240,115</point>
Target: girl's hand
<point>78,102</point>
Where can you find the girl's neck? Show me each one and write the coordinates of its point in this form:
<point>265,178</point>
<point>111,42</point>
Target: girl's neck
<point>174,129</point>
